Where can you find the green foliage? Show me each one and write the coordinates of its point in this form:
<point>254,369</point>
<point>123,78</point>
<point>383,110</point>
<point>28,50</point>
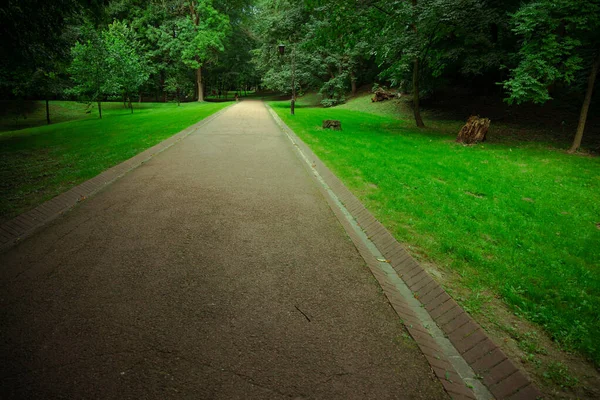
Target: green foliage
<point>160,40</point>
<point>36,37</point>
<point>90,70</point>
<point>339,42</point>
<point>558,373</point>
<point>334,90</point>
<point>107,63</point>
<point>175,36</point>
<point>559,39</point>
<point>202,33</point>
<point>278,23</point>
<point>233,68</point>
<point>179,85</point>
<point>128,69</point>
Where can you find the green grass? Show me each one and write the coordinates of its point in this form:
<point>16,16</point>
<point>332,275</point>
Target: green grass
<point>514,220</point>
<point>39,163</point>
<point>28,114</point>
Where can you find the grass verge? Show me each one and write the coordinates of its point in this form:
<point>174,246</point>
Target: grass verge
<point>515,221</point>
<point>39,163</point>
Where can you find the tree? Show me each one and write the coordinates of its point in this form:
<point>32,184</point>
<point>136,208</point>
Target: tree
<point>33,38</point>
<point>128,69</point>
<point>335,33</point>
<point>233,69</point>
<point>413,42</point>
<point>46,83</point>
<point>202,34</point>
<point>560,39</point>
<point>179,83</point>
<point>90,70</point>
<point>285,22</point>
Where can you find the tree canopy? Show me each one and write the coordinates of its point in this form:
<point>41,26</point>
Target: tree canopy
<point>160,50</point>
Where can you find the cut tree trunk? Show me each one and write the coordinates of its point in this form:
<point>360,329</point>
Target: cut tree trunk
<point>586,105</point>
<point>199,83</point>
<point>332,124</point>
<point>416,107</point>
<point>474,131</point>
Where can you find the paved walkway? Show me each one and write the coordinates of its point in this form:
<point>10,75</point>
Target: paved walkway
<point>215,270</point>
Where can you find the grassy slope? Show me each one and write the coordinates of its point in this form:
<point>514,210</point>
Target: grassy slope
<point>29,114</point>
<point>37,164</point>
<point>517,221</point>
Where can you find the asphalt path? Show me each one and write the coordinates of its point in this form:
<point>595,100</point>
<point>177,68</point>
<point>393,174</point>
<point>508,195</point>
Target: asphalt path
<point>214,271</point>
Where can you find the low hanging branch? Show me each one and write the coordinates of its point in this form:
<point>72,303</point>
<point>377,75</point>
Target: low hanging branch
<point>474,131</point>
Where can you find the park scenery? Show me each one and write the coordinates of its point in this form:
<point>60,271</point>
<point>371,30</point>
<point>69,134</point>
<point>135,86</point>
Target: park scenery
<point>469,128</point>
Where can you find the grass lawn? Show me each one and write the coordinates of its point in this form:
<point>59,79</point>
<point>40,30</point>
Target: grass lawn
<point>29,114</point>
<point>517,221</point>
<point>39,163</point>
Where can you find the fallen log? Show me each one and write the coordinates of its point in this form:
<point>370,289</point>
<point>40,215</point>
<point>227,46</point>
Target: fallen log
<point>474,131</point>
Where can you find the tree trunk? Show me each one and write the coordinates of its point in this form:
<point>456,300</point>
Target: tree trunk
<point>162,87</point>
<point>100,109</point>
<point>474,131</point>
<point>130,105</point>
<point>199,82</point>
<point>586,105</point>
<point>47,111</point>
<point>416,108</point>
<point>353,83</point>
<point>330,72</point>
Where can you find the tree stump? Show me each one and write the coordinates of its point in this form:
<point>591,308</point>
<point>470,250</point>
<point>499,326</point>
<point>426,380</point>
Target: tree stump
<point>332,124</point>
<point>474,131</point>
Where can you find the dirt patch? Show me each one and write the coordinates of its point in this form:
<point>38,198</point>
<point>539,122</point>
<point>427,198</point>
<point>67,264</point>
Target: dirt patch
<point>557,373</point>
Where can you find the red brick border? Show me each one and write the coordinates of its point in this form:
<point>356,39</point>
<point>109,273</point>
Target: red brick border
<point>15,230</point>
<point>499,374</point>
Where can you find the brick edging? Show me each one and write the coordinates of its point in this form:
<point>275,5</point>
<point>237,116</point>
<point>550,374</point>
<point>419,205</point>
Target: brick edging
<point>499,374</point>
<point>22,226</point>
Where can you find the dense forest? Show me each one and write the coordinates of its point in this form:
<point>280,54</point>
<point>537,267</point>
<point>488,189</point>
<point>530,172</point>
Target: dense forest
<point>515,51</point>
